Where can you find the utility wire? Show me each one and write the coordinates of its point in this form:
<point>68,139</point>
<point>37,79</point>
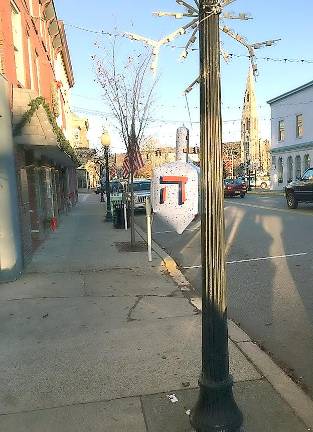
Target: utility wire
<point>274,59</point>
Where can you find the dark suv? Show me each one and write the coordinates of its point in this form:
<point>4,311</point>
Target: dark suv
<point>300,190</point>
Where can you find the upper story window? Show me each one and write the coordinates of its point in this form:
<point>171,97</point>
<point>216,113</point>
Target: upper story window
<point>18,43</point>
<point>38,78</point>
<point>31,7</point>
<point>281,130</point>
<point>30,62</point>
<point>299,126</point>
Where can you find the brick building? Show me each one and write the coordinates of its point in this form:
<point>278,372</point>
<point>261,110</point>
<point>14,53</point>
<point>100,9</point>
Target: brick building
<point>36,65</point>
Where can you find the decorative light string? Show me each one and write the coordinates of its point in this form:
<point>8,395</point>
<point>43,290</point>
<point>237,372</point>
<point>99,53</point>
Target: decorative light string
<point>231,55</point>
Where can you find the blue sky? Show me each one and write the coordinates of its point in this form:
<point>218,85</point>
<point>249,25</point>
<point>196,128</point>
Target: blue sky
<point>283,19</point>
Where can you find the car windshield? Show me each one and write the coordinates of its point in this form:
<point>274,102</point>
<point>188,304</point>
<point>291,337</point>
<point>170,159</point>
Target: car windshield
<point>142,186</point>
<point>116,187</point>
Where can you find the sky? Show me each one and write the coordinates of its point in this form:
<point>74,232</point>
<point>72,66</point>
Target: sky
<point>282,19</point>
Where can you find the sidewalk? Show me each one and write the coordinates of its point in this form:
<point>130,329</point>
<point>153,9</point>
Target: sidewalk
<point>95,339</point>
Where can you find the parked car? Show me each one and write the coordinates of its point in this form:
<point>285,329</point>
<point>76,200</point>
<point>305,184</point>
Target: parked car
<point>262,182</point>
<point>116,187</point>
<point>234,187</point>
<point>300,190</point>
<point>141,192</point>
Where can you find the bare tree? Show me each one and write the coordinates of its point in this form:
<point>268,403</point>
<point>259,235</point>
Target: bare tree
<point>128,86</point>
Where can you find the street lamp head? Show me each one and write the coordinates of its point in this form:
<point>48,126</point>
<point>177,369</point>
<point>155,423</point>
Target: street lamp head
<point>105,139</point>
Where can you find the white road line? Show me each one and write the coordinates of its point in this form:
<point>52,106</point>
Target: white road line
<point>253,259</point>
<point>283,210</point>
<point>260,207</point>
<point>267,258</point>
<point>172,231</point>
<point>163,232</point>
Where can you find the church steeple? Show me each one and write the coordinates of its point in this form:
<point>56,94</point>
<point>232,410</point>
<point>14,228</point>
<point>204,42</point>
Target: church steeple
<point>250,125</point>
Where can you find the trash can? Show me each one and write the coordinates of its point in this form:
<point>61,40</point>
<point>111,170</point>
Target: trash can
<point>118,215</point>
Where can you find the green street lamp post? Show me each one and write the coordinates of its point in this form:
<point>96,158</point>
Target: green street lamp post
<point>216,409</point>
<point>106,141</point>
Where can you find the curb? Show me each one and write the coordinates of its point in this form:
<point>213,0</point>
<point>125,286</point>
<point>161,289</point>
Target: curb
<point>299,402</point>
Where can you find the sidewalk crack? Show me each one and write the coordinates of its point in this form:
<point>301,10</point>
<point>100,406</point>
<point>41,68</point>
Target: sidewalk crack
<point>131,310</point>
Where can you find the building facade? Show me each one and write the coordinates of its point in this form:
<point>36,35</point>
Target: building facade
<point>292,134</point>
<point>79,130</point>
<point>36,66</point>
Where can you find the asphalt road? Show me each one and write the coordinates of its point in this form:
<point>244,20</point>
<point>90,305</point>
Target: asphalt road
<point>269,270</point>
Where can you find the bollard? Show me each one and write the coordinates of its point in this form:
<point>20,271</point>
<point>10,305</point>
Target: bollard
<point>149,233</point>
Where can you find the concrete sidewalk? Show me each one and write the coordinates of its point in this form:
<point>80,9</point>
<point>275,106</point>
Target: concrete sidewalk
<point>96,339</point>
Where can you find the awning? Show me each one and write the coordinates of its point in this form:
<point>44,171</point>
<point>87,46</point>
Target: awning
<point>53,154</point>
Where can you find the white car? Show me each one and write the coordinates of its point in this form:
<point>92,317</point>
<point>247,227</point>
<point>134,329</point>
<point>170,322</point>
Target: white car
<point>262,182</point>
<point>141,192</point>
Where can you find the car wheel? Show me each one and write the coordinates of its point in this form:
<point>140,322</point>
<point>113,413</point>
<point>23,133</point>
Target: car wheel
<point>263,185</point>
<point>242,195</point>
<point>292,202</point>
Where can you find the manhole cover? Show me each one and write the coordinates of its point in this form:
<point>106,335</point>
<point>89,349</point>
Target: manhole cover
<point>126,247</point>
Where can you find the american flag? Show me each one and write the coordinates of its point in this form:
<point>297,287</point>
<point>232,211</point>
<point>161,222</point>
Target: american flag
<point>137,161</point>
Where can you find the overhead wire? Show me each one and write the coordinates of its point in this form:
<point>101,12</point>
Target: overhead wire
<point>267,58</point>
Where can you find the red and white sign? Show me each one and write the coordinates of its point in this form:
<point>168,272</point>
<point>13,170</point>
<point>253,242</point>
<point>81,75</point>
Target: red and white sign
<point>174,193</point>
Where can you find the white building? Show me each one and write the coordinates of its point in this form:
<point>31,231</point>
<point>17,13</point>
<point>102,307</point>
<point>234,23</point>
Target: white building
<point>292,134</point>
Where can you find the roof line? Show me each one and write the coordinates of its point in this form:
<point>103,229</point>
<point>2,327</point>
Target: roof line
<point>291,92</point>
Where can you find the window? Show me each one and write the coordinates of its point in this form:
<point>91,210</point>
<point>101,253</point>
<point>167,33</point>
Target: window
<point>289,169</point>
<point>281,130</point>
<point>298,167</point>
<point>142,186</point>
<point>299,126</point>
<point>306,162</point>
<point>30,62</point>
<point>280,170</point>
<point>274,162</point>
<point>37,72</point>
<point>31,10</point>
<point>18,44</point>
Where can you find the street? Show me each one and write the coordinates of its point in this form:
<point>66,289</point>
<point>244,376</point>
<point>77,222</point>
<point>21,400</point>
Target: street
<point>269,271</point>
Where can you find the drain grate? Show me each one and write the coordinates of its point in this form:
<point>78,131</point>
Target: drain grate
<point>126,247</point>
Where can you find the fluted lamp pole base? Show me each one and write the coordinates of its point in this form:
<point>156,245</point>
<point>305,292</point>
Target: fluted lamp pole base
<point>216,409</point>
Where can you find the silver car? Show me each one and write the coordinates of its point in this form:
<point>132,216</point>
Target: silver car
<point>141,192</point>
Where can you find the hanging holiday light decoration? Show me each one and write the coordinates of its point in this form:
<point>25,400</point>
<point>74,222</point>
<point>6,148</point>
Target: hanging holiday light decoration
<point>192,11</point>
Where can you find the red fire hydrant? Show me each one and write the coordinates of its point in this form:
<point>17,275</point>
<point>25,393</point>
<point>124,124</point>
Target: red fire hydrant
<point>53,223</point>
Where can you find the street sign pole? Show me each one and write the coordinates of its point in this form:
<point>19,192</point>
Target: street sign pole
<point>216,409</point>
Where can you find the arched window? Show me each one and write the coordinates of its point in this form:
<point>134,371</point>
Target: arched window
<point>280,170</point>
<point>274,162</point>
<point>306,162</point>
<point>298,167</point>
<point>289,169</point>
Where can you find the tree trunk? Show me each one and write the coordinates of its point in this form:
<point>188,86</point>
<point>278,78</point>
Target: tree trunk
<point>132,209</point>
<point>132,199</point>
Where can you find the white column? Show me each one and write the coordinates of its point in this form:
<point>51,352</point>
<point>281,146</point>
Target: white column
<point>10,234</point>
